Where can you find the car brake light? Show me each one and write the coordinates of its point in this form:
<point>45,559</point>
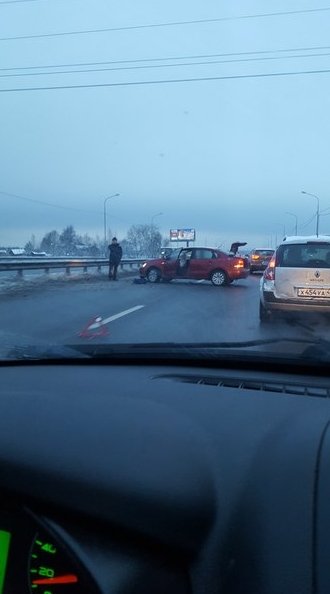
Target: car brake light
<point>239,264</point>
<point>255,257</point>
<point>269,273</point>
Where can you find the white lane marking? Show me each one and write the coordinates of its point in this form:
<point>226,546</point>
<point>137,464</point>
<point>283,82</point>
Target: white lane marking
<point>104,321</point>
<point>201,281</point>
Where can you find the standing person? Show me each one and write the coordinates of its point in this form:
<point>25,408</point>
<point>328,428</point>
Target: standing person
<point>115,256</point>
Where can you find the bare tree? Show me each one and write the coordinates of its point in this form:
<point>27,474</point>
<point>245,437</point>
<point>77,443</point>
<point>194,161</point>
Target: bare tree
<point>31,245</point>
<point>144,241</point>
<point>50,243</point>
<point>68,240</point>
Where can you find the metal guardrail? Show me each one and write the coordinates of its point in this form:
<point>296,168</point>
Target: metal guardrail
<point>10,264</point>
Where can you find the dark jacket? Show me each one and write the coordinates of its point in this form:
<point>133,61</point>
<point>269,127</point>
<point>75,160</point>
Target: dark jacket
<point>116,253</point>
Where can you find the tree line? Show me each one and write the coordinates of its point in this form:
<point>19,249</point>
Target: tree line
<point>140,241</point>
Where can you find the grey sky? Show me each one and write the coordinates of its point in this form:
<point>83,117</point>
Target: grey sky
<point>228,157</point>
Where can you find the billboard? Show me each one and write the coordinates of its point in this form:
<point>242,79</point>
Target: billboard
<point>182,234</point>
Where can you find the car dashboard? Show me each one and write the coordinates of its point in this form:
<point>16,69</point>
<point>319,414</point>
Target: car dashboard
<point>153,478</point>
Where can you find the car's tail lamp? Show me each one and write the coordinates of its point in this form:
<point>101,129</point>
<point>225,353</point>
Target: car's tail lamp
<point>255,257</point>
<point>269,273</point>
<point>239,264</point>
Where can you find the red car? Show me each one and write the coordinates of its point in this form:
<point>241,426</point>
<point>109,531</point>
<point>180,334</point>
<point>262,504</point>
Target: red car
<point>196,263</point>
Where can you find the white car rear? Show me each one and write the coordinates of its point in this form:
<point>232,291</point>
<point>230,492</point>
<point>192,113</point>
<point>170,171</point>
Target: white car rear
<point>298,277</point>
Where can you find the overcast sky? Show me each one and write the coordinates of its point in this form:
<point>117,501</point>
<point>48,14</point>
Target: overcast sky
<point>228,157</point>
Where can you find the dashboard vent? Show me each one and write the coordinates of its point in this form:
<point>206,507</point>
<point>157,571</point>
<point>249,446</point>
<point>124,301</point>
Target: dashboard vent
<point>252,384</point>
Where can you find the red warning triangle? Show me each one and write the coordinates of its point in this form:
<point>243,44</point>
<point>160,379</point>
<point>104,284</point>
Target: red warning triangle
<point>94,328</point>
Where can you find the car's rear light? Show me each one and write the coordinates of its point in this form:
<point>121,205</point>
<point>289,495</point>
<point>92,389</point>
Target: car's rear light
<point>255,257</point>
<point>269,273</point>
<point>239,264</point>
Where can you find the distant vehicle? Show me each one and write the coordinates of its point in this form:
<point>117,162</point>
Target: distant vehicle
<point>297,277</point>
<point>196,263</point>
<point>259,259</point>
<point>167,251</point>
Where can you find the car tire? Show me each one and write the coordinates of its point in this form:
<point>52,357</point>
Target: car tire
<point>153,275</point>
<point>219,278</point>
<point>264,314</point>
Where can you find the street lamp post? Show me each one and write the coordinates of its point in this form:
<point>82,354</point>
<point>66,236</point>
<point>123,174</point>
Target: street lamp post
<point>296,224</point>
<point>105,219</point>
<point>284,232</point>
<point>317,210</point>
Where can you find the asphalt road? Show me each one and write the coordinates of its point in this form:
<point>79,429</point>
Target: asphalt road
<point>95,309</point>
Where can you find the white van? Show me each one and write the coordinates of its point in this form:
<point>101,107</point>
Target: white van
<point>297,277</point>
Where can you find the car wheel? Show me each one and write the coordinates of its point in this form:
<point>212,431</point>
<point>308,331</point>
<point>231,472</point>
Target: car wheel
<point>264,315</point>
<point>219,278</point>
<point>153,275</point>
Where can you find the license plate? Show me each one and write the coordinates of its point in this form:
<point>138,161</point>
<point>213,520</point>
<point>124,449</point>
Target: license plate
<point>313,293</point>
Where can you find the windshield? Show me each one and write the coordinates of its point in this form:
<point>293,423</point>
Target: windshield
<point>131,131</point>
<point>265,253</point>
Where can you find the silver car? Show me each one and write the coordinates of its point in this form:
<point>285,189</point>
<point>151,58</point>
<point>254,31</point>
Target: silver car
<point>297,277</point>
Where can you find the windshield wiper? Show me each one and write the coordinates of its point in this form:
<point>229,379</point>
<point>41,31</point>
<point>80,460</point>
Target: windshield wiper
<point>299,349</point>
<point>310,348</point>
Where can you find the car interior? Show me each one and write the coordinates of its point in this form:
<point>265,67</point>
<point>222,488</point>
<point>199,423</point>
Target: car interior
<point>180,474</point>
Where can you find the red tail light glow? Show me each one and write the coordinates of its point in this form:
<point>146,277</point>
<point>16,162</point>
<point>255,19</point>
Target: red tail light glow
<point>269,273</point>
<point>239,264</point>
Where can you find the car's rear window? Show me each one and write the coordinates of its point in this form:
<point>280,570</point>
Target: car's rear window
<point>264,253</point>
<point>304,255</point>
<point>203,254</point>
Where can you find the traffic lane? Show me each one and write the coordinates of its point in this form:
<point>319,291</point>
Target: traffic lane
<point>188,311</point>
<point>162,312</point>
<point>181,311</point>
<point>60,313</point>
<point>55,312</point>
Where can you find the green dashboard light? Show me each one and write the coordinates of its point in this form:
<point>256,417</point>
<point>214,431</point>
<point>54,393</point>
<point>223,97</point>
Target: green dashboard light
<point>4,550</point>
